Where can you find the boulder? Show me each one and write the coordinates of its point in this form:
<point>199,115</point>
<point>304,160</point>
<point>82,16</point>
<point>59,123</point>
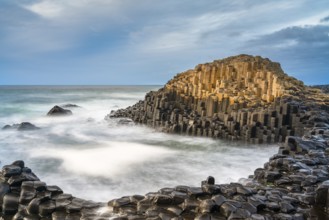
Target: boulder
<point>24,126</point>
<point>58,111</point>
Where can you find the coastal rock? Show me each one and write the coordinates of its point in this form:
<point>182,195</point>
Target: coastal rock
<point>58,111</point>
<point>237,98</point>
<point>69,105</point>
<point>24,126</point>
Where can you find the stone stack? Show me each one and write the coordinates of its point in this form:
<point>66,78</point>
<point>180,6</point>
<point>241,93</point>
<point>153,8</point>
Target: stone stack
<point>24,196</point>
<point>238,98</point>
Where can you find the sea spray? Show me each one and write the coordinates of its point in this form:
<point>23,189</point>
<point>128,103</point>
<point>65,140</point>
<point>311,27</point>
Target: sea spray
<point>84,151</point>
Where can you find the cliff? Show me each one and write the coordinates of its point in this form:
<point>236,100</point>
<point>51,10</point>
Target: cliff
<point>238,98</point>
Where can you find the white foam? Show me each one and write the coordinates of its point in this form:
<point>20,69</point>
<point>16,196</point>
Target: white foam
<point>107,160</point>
<point>118,158</point>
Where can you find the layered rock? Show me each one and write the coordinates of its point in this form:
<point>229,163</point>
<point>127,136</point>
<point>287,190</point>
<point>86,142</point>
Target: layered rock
<point>239,98</point>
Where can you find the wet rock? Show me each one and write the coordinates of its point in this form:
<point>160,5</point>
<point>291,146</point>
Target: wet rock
<point>24,126</point>
<point>227,209</point>
<point>11,170</point>
<point>286,207</point>
<point>125,121</point>
<point>4,189</point>
<point>58,111</point>
<point>33,206</point>
<point>239,214</point>
<point>322,194</point>
<point>208,206</point>
<point>190,204</point>
<point>162,200</point>
<point>119,202</point>
<point>218,199</point>
<point>10,203</point>
<point>47,208</point>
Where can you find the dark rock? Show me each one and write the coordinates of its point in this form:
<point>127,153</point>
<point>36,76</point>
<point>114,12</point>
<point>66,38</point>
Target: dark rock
<point>190,204</point>
<point>70,106</point>
<point>210,180</point>
<point>125,121</point>
<point>10,203</point>
<point>219,199</point>
<point>11,170</point>
<point>33,206</point>
<point>195,191</point>
<point>7,127</point>
<point>24,126</point>
<point>47,208</point>
<point>58,111</point>
<point>162,200</point>
<point>227,209</point>
<point>178,197</point>
<point>19,163</point>
<point>273,206</point>
<point>239,214</point>
<point>119,202</point>
<point>207,206</point>
<point>204,216</point>
<point>286,207</point>
<point>322,194</point>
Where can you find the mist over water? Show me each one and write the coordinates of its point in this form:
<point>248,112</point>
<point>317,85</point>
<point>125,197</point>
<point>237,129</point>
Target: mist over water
<point>99,160</point>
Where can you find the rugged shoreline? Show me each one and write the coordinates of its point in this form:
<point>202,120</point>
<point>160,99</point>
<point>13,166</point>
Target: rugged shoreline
<point>239,98</point>
<point>294,184</point>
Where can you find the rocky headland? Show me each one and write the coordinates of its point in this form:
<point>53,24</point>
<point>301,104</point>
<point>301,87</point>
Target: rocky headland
<point>238,98</point>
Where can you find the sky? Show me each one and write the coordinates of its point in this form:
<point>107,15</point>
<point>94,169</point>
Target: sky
<point>147,42</point>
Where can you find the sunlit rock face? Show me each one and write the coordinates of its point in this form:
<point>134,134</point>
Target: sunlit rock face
<point>240,98</point>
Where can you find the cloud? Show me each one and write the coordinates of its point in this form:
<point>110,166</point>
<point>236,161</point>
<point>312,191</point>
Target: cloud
<point>154,36</point>
<point>302,50</point>
<point>326,19</point>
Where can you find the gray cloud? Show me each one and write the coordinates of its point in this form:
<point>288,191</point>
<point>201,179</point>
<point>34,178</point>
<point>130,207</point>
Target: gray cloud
<point>326,19</point>
<point>302,51</point>
<point>156,38</point>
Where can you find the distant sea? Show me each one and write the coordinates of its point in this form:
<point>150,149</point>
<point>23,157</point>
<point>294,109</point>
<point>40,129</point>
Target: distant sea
<point>97,159</point>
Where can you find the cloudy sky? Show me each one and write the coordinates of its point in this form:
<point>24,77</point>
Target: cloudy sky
<point>149,41</point>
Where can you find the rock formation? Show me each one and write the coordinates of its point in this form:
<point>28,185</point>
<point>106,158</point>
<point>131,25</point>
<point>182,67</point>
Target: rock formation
<point>238,98</point>
<point>59,111</point>
<point>293,185</point>
<point>324,88</point>
<point>243,97</point>
<point>24,126</point>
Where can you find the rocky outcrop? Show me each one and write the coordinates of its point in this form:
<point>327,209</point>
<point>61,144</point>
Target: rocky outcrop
<point>24,126</point>
<point>324,88</point>
<point>24,196</point>
<point>58,111</point>
<point>238,98</point>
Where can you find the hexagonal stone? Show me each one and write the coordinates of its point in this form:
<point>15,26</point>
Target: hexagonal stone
<point>10,203</point>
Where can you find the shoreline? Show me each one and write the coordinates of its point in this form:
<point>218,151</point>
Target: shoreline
<point>294,184</point>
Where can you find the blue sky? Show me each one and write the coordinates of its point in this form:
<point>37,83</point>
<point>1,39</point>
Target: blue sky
<point>149,41</point>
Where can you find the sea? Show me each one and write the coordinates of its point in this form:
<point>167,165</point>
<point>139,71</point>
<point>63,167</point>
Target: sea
<point>98,159</point>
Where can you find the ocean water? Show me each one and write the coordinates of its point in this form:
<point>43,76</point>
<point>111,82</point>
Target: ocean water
<point>97,159</point>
